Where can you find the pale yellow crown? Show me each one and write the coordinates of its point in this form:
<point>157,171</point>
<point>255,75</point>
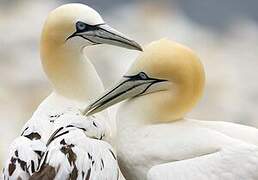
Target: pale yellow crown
<point>165,59</point>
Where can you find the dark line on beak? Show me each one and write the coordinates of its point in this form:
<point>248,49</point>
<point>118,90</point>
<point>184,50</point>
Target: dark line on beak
<point>88,39</point>
<point>78,35</point>
<point>116,95</point>
<point>144,90</point>
<point>114,33</point>
<point>109,92</point>
<point>121,93</point>
<point>122,42</point>
<point>157,81</point>
<point>72,35</point>
<point>130,78</point>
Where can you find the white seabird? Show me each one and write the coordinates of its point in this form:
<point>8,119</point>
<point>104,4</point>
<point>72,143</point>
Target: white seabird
<point>55,141</point>
<point>154,139</point>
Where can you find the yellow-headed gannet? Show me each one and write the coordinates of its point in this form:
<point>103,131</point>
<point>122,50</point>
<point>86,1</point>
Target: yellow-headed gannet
<point>155,141</point>
<point>58,142</point>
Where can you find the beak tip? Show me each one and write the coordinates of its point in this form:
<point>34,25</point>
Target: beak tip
<point>140,48</point>
<point>137,47</point>
<point>89,111</point>
<point>86,111</point>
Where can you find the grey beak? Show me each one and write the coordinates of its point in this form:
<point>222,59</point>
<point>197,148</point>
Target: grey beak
<point>104,34</point>
<point>129,87</point>
<point>124,90</point>
<point>107,35</point>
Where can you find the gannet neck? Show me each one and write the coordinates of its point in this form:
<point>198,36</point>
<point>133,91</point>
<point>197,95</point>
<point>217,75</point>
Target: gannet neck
<point>70,72</point>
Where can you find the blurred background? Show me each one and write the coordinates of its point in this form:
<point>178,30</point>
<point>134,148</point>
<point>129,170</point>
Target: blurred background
<point>223,33</point>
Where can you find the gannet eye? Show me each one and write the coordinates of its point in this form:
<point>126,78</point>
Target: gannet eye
<point>80,26</point>
<point>142,75</point>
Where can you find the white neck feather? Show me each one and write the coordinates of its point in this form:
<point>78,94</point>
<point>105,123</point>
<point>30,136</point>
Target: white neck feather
<point>71,73</point>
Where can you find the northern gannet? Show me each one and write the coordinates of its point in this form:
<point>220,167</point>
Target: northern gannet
<point>58,142</point>
<point>155,141</point>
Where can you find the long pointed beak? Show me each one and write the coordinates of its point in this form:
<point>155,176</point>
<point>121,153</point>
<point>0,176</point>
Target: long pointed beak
<point>126,89</point>
<point>104,34</point>
<point>111,36</point>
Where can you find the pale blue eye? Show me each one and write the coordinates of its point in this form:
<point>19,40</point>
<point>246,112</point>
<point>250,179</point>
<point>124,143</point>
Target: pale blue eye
<point>143,75</point>
<point>81,26</point>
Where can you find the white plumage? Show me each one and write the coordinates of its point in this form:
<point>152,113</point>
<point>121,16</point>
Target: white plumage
<point>24,157</point>
<point>76,151</point>
<point>224,164</point>
<point>186,149</point>
<point>62,144</point>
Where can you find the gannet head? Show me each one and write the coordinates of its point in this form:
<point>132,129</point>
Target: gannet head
<point>164,83</point>
<point>67,30</point>
<point>76,26</point>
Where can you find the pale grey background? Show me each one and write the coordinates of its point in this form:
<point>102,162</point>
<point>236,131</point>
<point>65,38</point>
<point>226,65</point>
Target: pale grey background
<point>223,33</point>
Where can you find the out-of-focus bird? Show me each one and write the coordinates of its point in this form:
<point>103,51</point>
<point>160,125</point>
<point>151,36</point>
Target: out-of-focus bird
<point>58,142</point>
<point>155,141</point>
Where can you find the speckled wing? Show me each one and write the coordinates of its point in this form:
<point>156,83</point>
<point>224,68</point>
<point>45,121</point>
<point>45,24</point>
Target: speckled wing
<point>232,163</point>
<point>26,151</point>
<point>72,155</point>
<point>24,157</point>
<point>42,137</point>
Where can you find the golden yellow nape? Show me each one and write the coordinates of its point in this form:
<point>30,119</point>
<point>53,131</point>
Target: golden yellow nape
<point>169,60</point>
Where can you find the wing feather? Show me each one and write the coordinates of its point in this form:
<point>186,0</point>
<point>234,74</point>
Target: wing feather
<point>232,163</point>
<point>23,159</point>
<point>76,156</point>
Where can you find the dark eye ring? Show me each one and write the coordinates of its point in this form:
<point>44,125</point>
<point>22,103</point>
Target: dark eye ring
<point>143,75</point>
<point>81,26</point>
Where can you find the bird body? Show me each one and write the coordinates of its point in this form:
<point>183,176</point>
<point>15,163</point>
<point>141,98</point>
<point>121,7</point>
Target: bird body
<point>75,149</point>
<point>39,147</point>
<point>165,151</point>
<point>58,142</point>
<point>154,139</point>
